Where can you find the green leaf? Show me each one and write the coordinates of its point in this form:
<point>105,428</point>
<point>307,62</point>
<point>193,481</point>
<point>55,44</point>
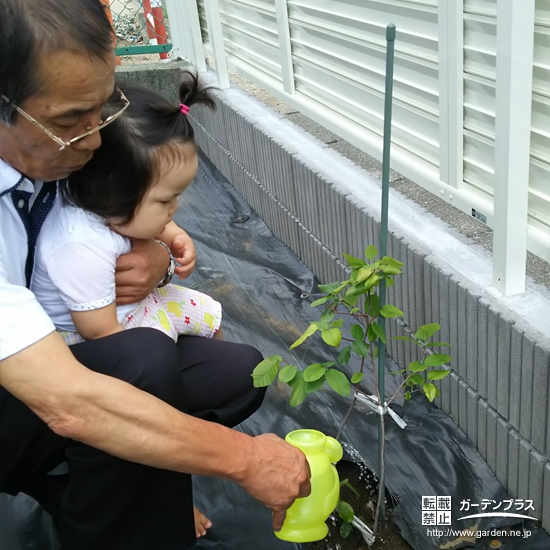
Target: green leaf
<point>419,335</point>
<point>346,483</point>
<point>337,324</point>
<point>357,332</point>
<point>298,390</point>
<point>312,329</point>
<point>375,352</point>
<point>266,371</point>
<point>405,338</point>
<point>371,281</point>
<point>371,335</point>
<point>388,260</point>
<point>319,301</point>
<point>356,289</point>
<point>345,511</point>
<point>438,374</point>
<point>321,325</point>
<point>363,274</point>
<point>407,396</point>
<point>372,305</point>
<point>329,287</point>
<point>390,270</point>
<point>353,261</point>
<point>327,316</point>
<point>332,337</point>
<point>430,390</point>
<point>338,382</point>
<point>379,331</point>
<point>390,311</point>
<point>416,366</point>
<point>314,372</point>
<point>430,330</point>
<point>329,364</point>
<point>287,373</point>
<point>344,357</point>
<point>360,348</point>
<point>354,310</point>
<point>345,530</point>
<point>371,252</point>
<point>389,282</point>
<point>350,297</point>
<point>437,359</point>
<point>357,377</point>
<point>416,379</point>
<point>314,386</point>
<point>343,285</point>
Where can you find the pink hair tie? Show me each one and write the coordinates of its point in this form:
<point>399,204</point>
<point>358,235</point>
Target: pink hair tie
<point>184,109</point>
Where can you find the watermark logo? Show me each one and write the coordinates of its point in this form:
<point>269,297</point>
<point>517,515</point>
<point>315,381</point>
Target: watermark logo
<point>436,511</point>
<point>508,508</point>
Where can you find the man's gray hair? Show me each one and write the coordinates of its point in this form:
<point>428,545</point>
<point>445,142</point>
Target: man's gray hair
<point>32,28</point>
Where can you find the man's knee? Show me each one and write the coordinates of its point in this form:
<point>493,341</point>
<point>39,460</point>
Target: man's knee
<point>244,359</point>
<point>154,364</point>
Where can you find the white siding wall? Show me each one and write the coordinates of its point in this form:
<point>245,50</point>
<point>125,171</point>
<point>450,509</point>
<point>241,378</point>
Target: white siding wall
<point>337,66</point>
<point>479,112</point>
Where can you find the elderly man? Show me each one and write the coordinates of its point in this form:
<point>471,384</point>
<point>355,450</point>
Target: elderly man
<point>114,408</point>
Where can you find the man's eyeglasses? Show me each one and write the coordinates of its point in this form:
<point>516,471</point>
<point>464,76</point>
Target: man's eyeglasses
<point>102,123</point>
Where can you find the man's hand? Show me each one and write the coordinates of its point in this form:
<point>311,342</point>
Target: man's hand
<point>139,271</point>
<point>185,254</point>
<point>278,473</point>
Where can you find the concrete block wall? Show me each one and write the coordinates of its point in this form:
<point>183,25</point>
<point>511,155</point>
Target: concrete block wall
<point>498,392</point>
<point>164,77</point>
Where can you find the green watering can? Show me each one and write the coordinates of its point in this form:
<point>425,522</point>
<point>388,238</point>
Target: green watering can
<point>305,519</point>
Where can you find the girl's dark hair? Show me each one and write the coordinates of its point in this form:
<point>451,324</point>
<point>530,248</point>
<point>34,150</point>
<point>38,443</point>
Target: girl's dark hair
<point>122,170</point>
<point>30,29</point>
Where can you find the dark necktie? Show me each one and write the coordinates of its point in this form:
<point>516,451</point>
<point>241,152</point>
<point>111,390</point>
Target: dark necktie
<point>34,218</point>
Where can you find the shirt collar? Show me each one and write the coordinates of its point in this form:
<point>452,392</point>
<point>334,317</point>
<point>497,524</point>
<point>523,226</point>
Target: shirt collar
<point>10,176</point>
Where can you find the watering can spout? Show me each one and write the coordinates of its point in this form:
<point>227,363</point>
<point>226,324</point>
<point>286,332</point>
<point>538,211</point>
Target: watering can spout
<point>334,450</point>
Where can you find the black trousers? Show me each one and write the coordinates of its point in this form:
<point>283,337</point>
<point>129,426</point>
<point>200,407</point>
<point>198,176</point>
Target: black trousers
<point>106,503</point>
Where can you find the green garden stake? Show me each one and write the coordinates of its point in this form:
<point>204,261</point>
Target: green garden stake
<point>390,38</point>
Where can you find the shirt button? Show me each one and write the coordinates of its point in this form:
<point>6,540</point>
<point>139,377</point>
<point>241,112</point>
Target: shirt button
<point>21,203</point>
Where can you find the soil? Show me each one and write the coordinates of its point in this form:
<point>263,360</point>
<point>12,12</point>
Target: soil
<point>366,484</point>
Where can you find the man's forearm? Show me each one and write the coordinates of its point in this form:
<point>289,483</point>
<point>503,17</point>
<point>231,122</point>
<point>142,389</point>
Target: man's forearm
<point>115,417</point>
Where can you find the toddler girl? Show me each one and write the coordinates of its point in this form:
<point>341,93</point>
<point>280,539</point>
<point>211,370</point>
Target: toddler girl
<point>129,190</point>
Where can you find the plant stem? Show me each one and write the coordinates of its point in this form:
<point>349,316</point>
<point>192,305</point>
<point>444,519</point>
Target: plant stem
<point>399,388</point>
<point>339,433</point>
<point>381,488</point>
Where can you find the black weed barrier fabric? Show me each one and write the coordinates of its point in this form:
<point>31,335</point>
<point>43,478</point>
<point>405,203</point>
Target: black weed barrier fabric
<point>259,282</point>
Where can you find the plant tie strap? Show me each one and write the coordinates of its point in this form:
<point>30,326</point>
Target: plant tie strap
<point>372,402</point>
<point>184,109</point>
<point>364,530</point>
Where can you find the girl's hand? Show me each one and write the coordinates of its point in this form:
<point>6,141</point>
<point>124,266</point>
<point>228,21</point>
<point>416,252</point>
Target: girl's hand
<point>185,254</point>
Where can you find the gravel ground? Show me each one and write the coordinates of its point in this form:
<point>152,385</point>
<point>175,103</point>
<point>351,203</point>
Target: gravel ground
<point>140,59</point>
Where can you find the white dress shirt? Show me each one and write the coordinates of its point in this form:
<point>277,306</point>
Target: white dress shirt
<point>22,320</point>
<point>74,268</point>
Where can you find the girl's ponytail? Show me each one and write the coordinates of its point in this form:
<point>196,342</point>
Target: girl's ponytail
<point>194,92</point>
<point>121,171</point>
